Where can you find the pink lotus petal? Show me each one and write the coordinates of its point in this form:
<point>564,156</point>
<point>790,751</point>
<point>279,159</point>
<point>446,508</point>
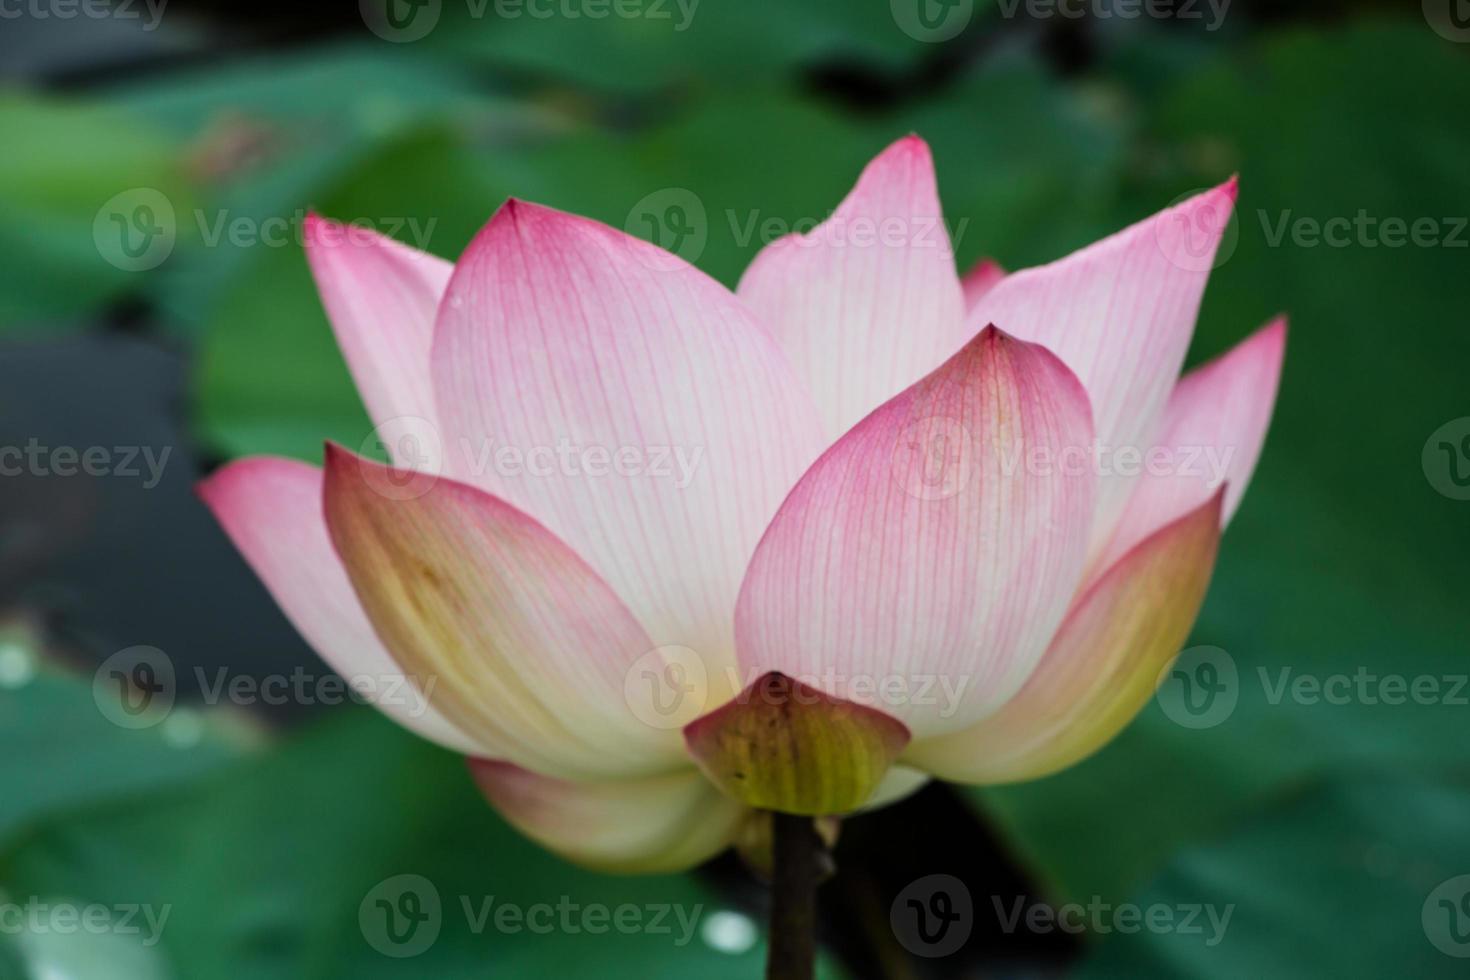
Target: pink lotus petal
<point>1100,670</point>
<point>1120,314</point>
<point>868,302</point>
<point>1213,430</point>
<point>557,331</point>
<point>381,297</point>
<point>530,648</point>
<point>657,824</point>
<point>981,279</point>
<point>272,510</point>
<point>932,543</point>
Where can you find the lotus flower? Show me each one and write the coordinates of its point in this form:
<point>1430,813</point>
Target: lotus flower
<point>910,547</point>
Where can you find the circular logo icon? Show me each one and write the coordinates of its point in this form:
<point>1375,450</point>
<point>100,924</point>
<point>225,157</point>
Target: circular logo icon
<point>1200,688</point>
<point>667,687</point>
<point>1450,19</point>
<point>1446,917</point>
<point>401,916</point>
<point>1188,237</point>
<point>932,21</point>
<point>417,453</point>
<point>135,230</point>
<point>1446,459</point>
<point>933,458</point>
<point>674,219</point>
<point>933,916</point>
<point>400,21</point>
<point>135,688</point>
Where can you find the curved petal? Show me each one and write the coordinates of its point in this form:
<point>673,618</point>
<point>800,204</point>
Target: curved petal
<point>272,510</point>
<point>629,403</point>
<point>641,826</point>
<point>1101,668</point>
<point>381,296</point>
<point>529,648</point>
<point>981,279</point>
<point>1120,314</point>
<point>1213,430</point>
<point>899,783</point>
<point>867,302</point>
<point>921,565</point>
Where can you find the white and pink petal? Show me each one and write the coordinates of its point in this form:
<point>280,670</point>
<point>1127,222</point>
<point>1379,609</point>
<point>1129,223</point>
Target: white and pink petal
<point>528,647</point>
<point>935,547</point>
<point>630,404</point>
<point>867,302</point>
<point>272,510</point>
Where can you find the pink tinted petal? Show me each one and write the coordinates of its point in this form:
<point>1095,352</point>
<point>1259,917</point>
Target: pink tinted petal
<point>530,648</point>
<point>921,565</point>
<point>981,278</point>
<point>272,511</point>
<point>868,302</point>
<point>1213,430</point>
<point>381,296</point>
<point>564,347</point>
<point>1101,668</point>
<point>657,824</point>
<point>1120,314</point>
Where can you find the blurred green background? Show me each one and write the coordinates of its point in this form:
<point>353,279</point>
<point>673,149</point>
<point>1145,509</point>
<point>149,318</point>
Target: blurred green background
<point>1333,828</point>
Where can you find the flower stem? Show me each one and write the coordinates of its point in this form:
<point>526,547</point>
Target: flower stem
<point>797,854</point>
